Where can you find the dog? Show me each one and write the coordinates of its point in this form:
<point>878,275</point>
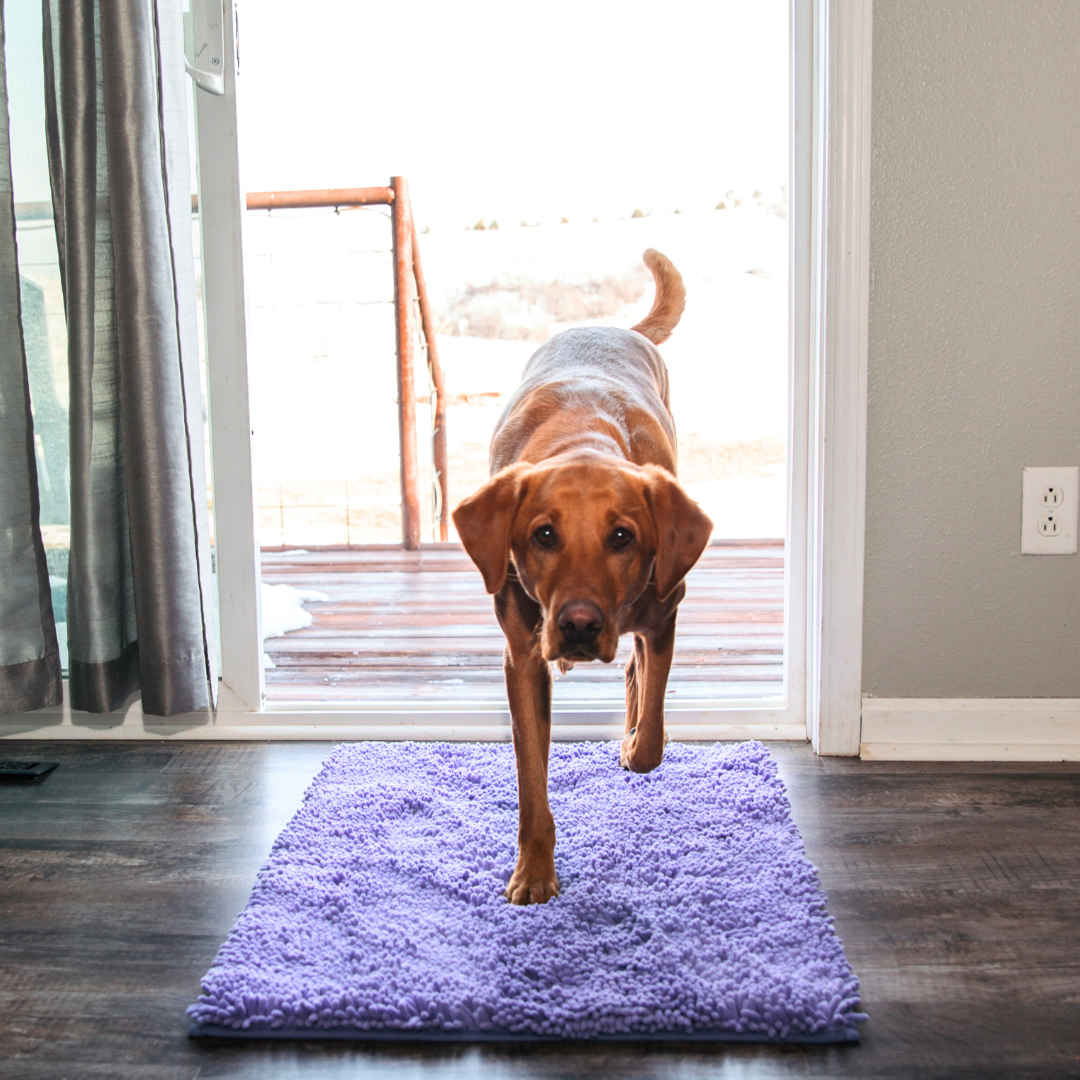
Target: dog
<point>583,534</point>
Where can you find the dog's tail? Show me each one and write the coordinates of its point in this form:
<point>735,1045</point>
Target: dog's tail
<point>669,302</point>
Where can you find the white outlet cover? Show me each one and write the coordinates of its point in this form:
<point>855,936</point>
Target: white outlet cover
<point>1037,479</point>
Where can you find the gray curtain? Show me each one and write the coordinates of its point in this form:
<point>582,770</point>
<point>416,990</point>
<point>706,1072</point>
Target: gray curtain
<point>139,599</point>
<point>29,655</point>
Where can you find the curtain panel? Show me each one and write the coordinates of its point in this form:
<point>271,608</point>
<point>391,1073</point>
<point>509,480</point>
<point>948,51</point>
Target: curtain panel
<point>139,595</point>
<point>29,654</point>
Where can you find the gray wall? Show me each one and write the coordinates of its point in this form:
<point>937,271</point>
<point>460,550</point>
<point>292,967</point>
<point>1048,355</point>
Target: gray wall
<point>974,345</point>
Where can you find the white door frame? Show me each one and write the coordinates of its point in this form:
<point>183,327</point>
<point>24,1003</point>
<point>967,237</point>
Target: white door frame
<point>829,183</point>
<point>236,535</point>
<point>839,300</point>
<point>829,200</point>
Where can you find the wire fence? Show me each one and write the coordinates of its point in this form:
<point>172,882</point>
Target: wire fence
<point>321,354</point>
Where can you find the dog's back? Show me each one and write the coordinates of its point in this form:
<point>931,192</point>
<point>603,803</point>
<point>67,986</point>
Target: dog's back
<point>605,375</point>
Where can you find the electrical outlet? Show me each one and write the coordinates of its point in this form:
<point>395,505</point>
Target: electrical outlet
<point>1048,514</point>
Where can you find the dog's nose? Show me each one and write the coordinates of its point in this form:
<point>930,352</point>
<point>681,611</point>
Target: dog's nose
<point>580,621</point>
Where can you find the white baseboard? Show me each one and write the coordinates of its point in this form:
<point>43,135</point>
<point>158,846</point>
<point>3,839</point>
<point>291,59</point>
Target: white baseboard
<point>970,729</point>
<point>278,732</point>
<point>328,722</point>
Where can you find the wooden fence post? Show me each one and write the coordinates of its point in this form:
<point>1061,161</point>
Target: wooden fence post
<point>439,437</point>
<point>401,218</point>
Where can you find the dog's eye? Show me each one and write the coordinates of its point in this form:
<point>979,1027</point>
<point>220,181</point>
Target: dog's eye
<point>545,536</point>
<point>621,538</point>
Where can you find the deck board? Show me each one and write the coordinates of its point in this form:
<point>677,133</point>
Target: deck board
<point>418,626</point>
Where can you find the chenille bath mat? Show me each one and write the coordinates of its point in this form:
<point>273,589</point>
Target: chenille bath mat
<point>688,909</point>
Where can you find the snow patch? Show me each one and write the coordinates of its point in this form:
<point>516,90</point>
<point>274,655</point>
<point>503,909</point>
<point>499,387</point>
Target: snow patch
<point>283,608</point>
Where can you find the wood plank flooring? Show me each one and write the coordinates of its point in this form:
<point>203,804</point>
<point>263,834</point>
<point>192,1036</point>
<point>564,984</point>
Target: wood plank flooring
<point>956,890</point>
<point>418,626</point>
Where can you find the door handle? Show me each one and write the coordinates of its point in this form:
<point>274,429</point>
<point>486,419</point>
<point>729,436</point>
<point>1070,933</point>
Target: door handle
<point>204,45</point>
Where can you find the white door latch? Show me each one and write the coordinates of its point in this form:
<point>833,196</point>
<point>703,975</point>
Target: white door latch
<point>204,45</point>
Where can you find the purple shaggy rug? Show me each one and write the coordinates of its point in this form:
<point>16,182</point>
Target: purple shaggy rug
<point>687,909</point>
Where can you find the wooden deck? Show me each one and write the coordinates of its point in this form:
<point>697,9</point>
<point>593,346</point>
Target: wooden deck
<point>418,627</point>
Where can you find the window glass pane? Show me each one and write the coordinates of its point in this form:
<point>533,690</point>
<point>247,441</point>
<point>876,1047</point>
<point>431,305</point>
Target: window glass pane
<point>546,147</point>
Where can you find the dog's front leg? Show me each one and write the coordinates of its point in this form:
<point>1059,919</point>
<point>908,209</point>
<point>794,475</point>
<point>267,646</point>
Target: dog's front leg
<point>646,687</point>
<point>528,688</point>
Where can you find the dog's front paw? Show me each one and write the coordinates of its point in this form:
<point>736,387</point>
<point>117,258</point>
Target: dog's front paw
<point>636,757</point>
<point>533,880</point>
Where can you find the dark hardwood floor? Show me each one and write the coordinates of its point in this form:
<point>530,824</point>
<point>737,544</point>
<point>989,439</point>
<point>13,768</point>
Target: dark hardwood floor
<point>956,889</point>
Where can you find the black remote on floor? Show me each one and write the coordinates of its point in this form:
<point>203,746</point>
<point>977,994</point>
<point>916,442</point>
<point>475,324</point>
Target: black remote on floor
<point>25,772</point>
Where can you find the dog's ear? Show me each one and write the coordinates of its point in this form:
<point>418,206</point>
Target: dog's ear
<point>484,521</point>
<point>682,528</point>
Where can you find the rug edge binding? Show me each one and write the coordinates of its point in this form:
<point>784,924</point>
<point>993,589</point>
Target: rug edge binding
<point>844,1036</point>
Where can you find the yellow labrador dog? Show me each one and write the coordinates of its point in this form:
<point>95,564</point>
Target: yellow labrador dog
<point>583,534</point>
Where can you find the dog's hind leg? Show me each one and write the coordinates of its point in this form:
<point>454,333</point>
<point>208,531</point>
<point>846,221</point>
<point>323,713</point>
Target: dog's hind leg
<point>528,688</point>
<point>646,687</point>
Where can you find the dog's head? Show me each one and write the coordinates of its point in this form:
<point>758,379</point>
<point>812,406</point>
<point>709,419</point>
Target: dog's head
<point>586,535</point>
